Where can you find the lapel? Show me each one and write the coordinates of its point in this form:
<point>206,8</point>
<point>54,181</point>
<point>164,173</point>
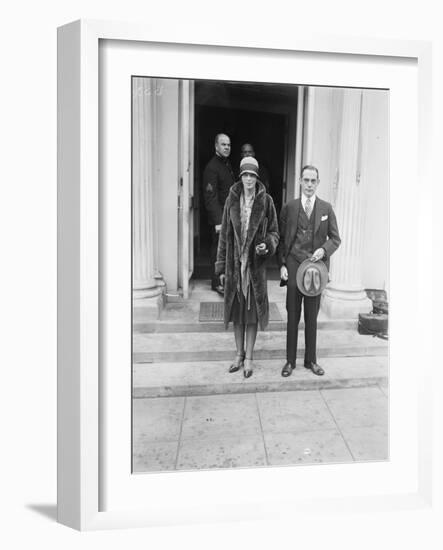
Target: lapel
<point>235,215</point>
<point>319,210</point>
<point>296,205</point>
<point>257,214</point>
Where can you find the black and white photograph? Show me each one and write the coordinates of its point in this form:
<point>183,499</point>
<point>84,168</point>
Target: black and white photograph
<point>260,274</point>
<point>222,275</point>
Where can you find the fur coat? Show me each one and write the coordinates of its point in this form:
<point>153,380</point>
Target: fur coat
<point>229,248</point>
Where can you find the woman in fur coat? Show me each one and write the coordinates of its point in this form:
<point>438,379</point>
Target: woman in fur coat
<point>248,238</point>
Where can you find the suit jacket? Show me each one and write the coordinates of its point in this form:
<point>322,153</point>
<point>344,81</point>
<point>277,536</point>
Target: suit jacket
<point>218,178</point>
<point>326,233</point>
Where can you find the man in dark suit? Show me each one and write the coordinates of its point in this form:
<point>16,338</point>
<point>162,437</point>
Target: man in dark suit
<point>308,230</point>
<point>218,178</point>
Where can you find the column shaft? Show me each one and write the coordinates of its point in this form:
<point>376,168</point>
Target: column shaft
<point>344,296</point>
<point>147,289</point>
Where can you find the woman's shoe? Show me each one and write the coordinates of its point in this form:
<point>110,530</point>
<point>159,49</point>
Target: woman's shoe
<point>247,368</point>
<point>237,363</point>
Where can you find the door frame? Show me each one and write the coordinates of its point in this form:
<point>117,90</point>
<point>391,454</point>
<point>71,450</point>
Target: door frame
<point>185,262</point>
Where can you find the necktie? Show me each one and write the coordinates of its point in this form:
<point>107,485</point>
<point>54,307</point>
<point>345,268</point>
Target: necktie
<point>308,208</point>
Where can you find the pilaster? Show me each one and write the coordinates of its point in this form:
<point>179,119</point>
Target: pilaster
<point>345,297</point>
<point>148,285</point>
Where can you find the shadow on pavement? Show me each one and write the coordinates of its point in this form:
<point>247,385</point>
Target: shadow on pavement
<point>47,510</point>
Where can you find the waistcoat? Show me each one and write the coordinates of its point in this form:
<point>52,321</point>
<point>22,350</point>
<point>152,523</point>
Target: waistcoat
<point>304,239</point>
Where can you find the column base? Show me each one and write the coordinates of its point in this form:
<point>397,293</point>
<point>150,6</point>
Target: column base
<point>345,304</point>
<point>147,304</point>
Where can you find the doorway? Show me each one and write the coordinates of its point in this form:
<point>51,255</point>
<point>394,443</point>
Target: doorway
<point>264,115</point>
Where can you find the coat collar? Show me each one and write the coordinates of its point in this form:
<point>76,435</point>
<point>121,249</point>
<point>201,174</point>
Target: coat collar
<point>222,160</point>
<point>257,213</point>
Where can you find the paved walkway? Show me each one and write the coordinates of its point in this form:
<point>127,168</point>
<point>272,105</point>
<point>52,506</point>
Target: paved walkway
<point>260,429</point>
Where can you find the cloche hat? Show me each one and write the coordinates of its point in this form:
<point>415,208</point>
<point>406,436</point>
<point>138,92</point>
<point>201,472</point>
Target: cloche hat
<point>249,165</point>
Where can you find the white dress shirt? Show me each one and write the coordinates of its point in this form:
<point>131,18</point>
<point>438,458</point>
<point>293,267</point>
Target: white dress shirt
<point>304,198</point>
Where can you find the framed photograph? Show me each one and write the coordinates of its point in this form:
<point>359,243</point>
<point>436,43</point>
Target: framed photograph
<point>172,406</point>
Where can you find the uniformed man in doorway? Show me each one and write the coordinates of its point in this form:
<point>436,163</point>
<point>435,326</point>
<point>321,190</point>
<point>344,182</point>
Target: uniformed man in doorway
<point>218,178</point>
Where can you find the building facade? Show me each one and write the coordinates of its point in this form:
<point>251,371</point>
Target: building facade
<point>344,132</point>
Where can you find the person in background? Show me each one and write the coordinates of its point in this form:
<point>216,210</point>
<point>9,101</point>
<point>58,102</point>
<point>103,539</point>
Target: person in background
<point>247,150</point>
<point>218,178</point>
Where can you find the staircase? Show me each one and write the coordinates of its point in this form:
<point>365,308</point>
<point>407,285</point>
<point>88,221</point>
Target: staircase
<point>179,355</point>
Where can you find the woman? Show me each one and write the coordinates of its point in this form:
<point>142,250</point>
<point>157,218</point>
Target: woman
<point>248,237</point>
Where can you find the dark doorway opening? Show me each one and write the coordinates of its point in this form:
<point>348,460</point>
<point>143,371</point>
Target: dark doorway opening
<point>248,113</point>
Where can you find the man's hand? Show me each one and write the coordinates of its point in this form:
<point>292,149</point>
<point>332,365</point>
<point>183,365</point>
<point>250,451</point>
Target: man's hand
<point>261,249</point>
<point>217,228</point>
<point>284,273</point>
<point>318,255</point>
<point>222,280</point>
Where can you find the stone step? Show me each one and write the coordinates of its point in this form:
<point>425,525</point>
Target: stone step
<point>168,326</point>
<point>184,317</point>
<point>219,346</point>
<point>212,377</point>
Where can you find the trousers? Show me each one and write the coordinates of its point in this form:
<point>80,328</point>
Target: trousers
<point>311,307</point>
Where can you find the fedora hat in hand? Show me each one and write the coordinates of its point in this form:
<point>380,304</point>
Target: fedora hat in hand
<point>312,277</point>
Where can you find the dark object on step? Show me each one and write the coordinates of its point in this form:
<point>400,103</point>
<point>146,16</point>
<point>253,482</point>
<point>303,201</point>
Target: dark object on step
<point>380,307</point>
<point>375,324</point>
<point>376,295</point>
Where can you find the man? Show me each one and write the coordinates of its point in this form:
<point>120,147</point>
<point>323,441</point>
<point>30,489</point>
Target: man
<point>247,150</point>
<point>217,180</point>
<point>308,230</point>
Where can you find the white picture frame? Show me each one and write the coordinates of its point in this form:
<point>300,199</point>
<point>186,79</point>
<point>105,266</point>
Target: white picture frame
<point>80,362</point>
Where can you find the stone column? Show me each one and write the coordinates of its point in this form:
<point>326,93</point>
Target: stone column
<point>344,297</point>
<point>148,286</point>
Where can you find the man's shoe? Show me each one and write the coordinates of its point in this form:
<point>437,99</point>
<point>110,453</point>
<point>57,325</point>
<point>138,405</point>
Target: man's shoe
<point>287,369</point>
<point>219,289</point>
<point>316,369</point>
